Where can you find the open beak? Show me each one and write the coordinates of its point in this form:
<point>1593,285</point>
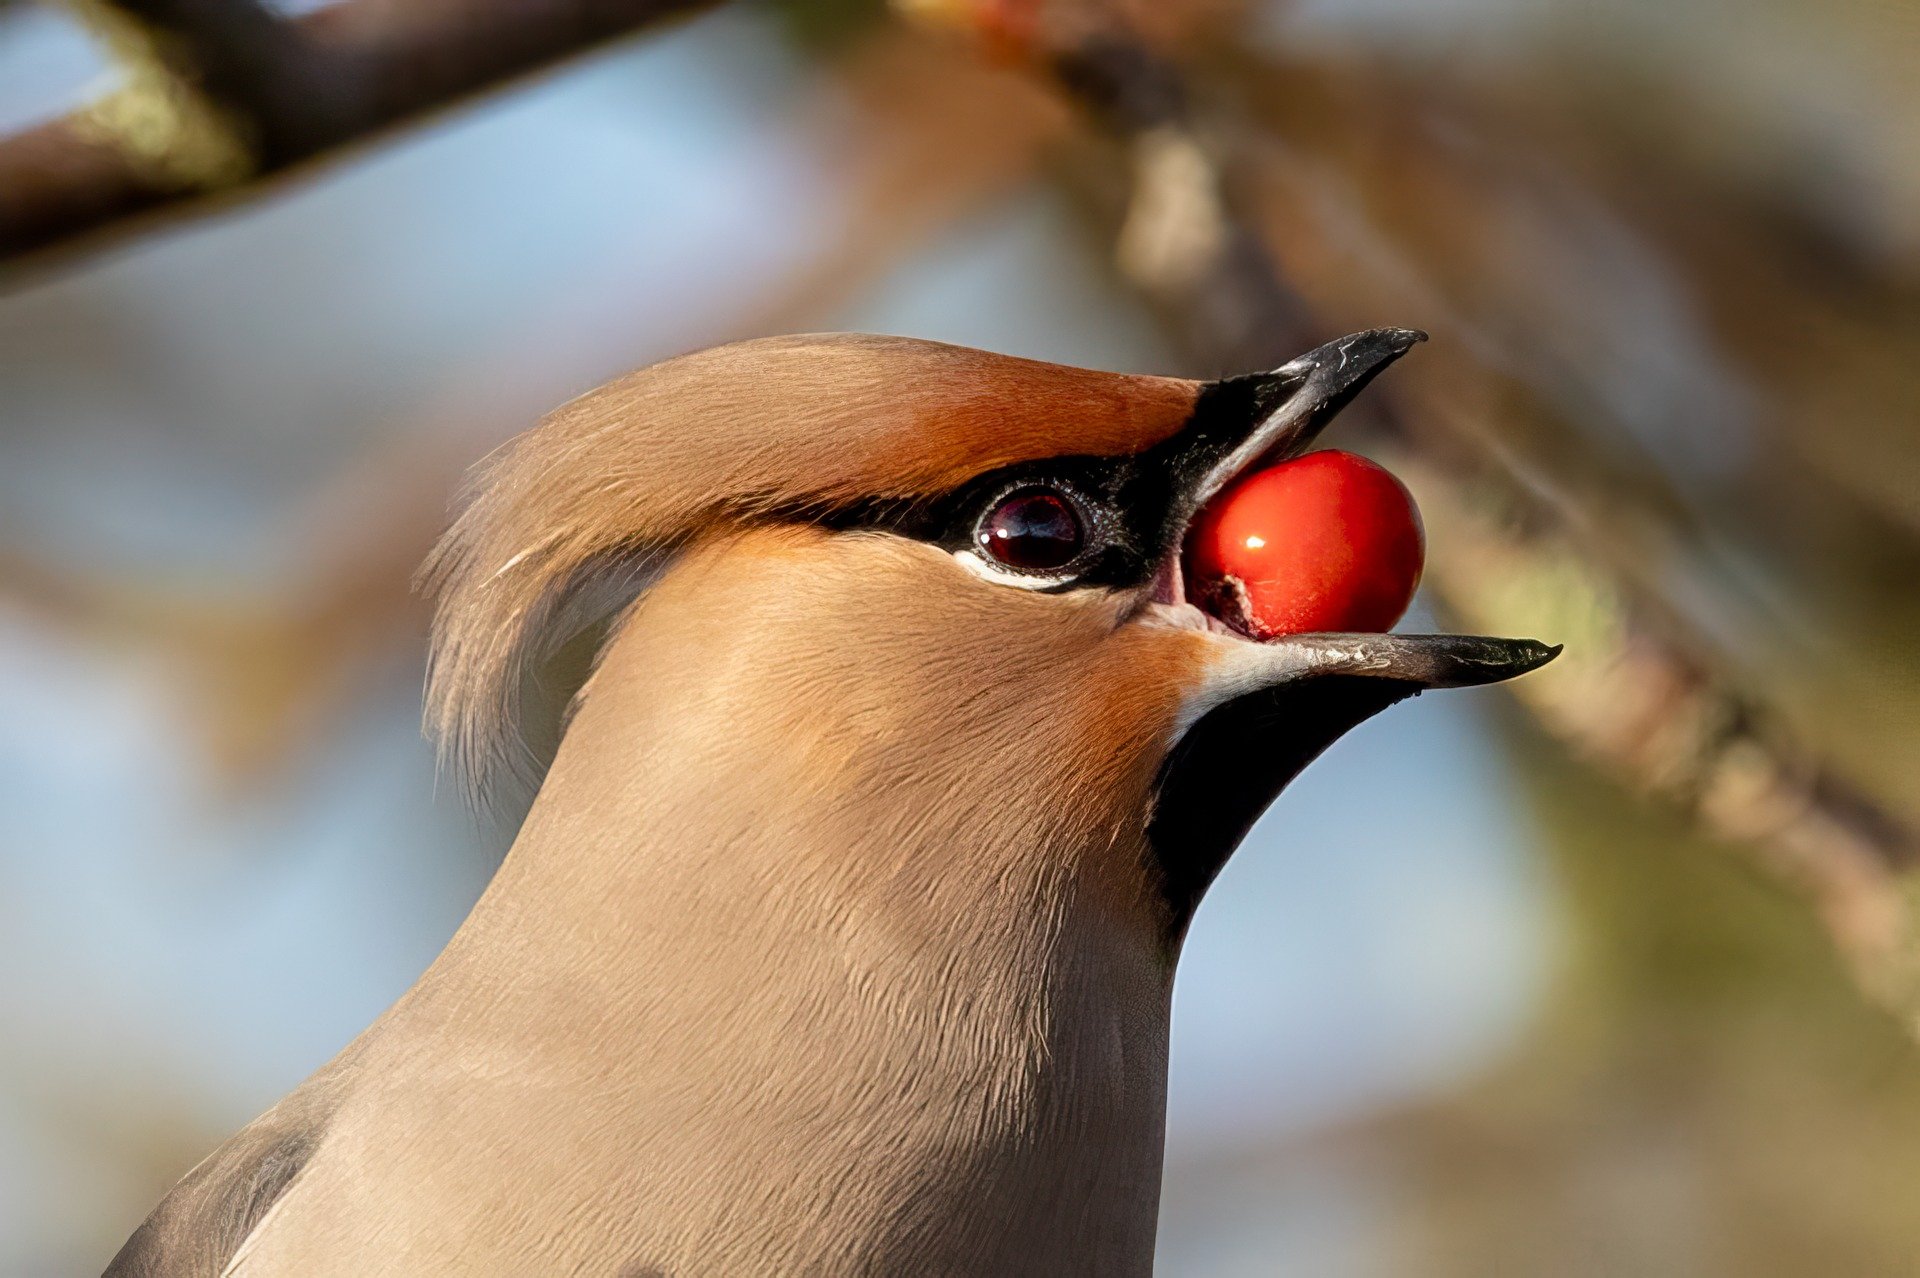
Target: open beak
<point>1256,420</point>
<point>1267,709</point>
<point>1262,418</point>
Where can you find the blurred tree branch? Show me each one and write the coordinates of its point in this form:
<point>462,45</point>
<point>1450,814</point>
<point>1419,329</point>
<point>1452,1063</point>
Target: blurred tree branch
<point>1208,221</point>
<point>220,94</point>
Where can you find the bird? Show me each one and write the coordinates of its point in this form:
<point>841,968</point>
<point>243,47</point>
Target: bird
<point>878,759</point>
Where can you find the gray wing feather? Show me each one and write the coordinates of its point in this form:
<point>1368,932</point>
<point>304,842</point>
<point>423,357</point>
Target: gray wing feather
<point>202,1221</point>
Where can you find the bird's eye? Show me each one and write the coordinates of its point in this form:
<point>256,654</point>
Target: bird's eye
<point>1033,530</point>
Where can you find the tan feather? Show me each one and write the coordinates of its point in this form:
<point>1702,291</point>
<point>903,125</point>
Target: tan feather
<point>829,946</point>
<point>567,522</point>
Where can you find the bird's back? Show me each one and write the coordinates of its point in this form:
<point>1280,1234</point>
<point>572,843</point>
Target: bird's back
<point>201,1223</point>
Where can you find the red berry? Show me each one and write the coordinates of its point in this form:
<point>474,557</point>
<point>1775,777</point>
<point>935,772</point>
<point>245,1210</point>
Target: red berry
<point>1327,541</point>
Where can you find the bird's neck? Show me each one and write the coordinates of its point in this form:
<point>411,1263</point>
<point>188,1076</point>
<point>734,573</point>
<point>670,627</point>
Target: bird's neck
<point>911,1037</point>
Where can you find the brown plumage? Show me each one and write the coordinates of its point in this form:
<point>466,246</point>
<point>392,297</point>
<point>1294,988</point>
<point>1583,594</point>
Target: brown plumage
<point>840,935</point>
<point>574,513</point>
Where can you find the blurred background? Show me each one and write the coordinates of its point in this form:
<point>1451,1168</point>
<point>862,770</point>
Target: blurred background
<point>1619,980</point>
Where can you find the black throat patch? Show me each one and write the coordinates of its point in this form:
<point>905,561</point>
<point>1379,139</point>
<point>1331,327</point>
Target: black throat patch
<point>1233,763</point>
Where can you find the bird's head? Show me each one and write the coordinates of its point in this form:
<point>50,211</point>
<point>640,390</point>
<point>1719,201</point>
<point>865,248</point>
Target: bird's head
<point>921,588</point>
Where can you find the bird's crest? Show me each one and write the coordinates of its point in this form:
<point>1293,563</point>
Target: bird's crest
<point>563,526</point>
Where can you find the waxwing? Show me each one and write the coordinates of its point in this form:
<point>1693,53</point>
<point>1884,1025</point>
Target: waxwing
<point>840,933</point>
